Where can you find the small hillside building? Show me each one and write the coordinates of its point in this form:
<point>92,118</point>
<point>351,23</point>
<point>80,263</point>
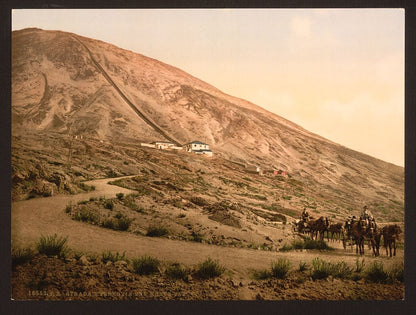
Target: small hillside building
<point>198,148</point>
<point>163,145</point>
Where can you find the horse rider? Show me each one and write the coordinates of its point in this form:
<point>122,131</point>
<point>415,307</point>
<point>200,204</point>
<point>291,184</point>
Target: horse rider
<point>366,215</point>
<point>305,215</point>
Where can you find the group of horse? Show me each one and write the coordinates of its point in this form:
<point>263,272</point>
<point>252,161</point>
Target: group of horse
<point>354,231</point>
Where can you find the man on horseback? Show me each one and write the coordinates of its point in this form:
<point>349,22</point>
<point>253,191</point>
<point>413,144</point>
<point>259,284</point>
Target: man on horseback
<point>366,215</point>
<point>305,215</point>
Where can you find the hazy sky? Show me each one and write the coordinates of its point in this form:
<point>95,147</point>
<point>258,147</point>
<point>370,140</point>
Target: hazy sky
<point>336,72</point>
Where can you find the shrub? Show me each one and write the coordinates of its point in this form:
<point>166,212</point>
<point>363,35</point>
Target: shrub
<point>209,269</point>
<point>93,199</point>
<point>359,265</point>
<point>321,269</point>
<point>156,231</point>
<point>176,271</point>
<point>68,208</point>
<point>109,256</point>
<point>124,223</point>
<point>261,274</point>
<point>196,237</point>
<point>120,196</point>
<point>341,270</point>
<point>53,246</point>
<point>376,273</point>
<point>145,265</point>
<point>397,272</point>
<point>181,215</point>
<point>280,268</point>
<point>286,248</point>
<point>109,205</point>
<point>86,215</point>
<point>109,224</point>
<point>302,266</point>
<point>21,256</point>
<point>316,244</point>
<point>298,244</point>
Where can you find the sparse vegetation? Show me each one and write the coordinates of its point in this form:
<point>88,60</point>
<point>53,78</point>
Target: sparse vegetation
<point>86,215</point>
<point>376,273</point>
<point>177,271</point>
<point>145,265</point>
<point>261,274</point>
<point>209,269</point>
<point>113,257</point>
<point>109,204</point>
<point>196,237</point>
<point>321,269</point>
<point>120,196</point>
<point>53,246</point>
<point>156,231</point>
<point>21,256</point>
<point>307,243</point>
<point>280,269</point>
<point>303,266</point>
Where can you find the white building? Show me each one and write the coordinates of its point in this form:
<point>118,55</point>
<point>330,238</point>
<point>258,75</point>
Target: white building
<point>163,145</point>
<point>198,148</point>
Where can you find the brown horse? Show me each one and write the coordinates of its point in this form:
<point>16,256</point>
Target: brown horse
<point>356,233</point>
<point>335,229</point>
<point>319,225</point>
<point>390,235</point>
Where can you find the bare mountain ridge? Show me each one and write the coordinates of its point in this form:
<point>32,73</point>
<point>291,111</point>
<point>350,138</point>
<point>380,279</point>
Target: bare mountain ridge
<point>57,87</point>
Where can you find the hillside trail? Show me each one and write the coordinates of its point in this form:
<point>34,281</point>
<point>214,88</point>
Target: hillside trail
<point>46,216</point>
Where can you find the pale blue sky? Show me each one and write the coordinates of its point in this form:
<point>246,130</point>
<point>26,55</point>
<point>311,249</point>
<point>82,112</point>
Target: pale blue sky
<point>336,72</point>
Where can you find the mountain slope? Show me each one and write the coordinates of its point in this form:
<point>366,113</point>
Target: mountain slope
<point>69,84</point>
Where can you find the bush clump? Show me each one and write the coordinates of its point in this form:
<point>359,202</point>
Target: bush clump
<point>196,237</point>
<point>321,269</point>
<point>21,256</point>
<point>145,265</point>
<point>397,272</point>
<point>86,215</point>
<point>209,269</point>
<point>176,271</point>
<point>316,244</point>
<point>53,246</point>
<point>120,196</point>
<point>376,273</point>
<point>341,270</point>
<point>119,223</point>
<point>156,231</point>
<point>280,269</point>
<point>108,204</point>
<point>303,266</point>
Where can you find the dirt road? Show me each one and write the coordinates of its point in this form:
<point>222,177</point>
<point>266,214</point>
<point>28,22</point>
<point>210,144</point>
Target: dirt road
<point>45,216</point>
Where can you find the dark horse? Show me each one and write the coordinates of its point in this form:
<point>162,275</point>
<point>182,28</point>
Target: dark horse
<point>360,231</point>
<point>390,235</point>
<point>319,225</point>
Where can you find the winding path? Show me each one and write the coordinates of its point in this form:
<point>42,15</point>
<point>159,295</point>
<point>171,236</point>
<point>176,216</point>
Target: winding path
<point>45,216</point>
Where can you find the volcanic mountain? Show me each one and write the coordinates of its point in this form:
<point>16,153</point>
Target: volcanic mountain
<point>72,85</point>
